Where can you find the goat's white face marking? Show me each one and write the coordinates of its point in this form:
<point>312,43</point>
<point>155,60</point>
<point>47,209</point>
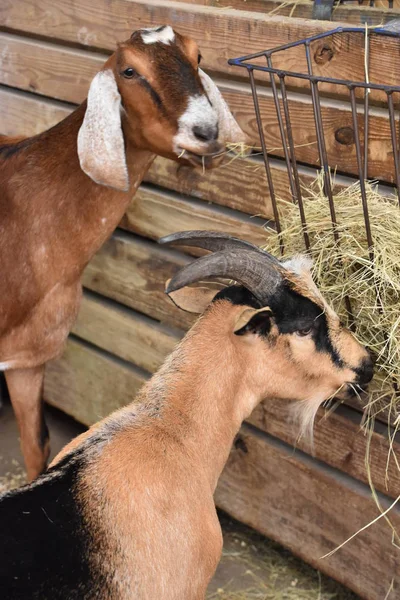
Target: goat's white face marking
<point>199,113</point>
<point>151,35</point>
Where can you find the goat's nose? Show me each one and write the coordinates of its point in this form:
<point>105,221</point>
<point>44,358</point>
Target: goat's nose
<point>365,371</point>
<point>206,133</point>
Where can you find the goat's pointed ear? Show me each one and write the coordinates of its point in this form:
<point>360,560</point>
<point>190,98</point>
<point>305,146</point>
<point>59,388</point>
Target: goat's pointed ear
<point>253,320</point>
<point>101,147</point>
<point>193,300</point>
<point>229,130</point>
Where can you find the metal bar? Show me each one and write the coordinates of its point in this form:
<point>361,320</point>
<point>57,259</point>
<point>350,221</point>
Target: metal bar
<point>266,160</point>
<point>323,157</point>
<point>361,171</point>
<point>366,108</point>
<point>294,162</point>
<point>317,79</point>
<point>283,135</point>
<point>319,128</point>
<point>394,143</point>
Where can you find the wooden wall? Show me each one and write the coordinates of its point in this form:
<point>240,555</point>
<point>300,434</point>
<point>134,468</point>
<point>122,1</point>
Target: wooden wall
<point>49,51</point>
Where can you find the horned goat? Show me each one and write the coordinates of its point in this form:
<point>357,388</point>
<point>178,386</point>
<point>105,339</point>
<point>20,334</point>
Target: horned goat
<point>126,510</point>
<point>64,191</point>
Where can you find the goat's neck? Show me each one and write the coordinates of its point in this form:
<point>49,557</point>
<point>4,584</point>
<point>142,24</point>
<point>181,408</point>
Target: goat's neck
<point>206,394</point>
<point>89,210</point>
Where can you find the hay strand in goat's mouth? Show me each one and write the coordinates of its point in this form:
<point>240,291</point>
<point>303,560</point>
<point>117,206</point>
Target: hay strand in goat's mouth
<point>347,269</point>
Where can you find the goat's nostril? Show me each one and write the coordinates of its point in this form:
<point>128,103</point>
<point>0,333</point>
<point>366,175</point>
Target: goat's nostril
<point>206,133</point>
<point>365,371</point>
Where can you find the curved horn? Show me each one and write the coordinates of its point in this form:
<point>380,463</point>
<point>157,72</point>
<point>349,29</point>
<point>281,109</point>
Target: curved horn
<point>243,265</point>
<point>214,241</point>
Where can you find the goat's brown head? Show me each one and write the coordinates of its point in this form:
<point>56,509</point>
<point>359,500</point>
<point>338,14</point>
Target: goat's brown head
<point>288,338</point>
<point>152,91</point>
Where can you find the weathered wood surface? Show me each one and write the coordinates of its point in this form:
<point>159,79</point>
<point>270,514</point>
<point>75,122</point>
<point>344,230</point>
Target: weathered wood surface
<point>338,440</point>
<point>154,213</point>
<point>235,32</point>
<point>133,272</point>
<point>25,115</point>
<point>311,509</point>
<point>129,335</point>
<point>88,384</point>
<point>347,13</point>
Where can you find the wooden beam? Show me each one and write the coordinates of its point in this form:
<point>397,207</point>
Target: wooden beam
<point>235,33</point>
<point>133,272</point>
<point>155,213</point>
<point>25,115</point>
<point>88,384</point>
<point>347,13</point>
<point>125,333</point>
<point>311,509</point>
<point>339,441</point>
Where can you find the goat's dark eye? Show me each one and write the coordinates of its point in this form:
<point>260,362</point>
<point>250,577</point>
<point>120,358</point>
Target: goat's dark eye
<point>199,59</point>
<point>129,73</point>
<point>304,331</point>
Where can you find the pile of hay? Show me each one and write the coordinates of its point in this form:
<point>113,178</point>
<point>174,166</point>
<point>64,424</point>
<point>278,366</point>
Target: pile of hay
<point>346,269</point>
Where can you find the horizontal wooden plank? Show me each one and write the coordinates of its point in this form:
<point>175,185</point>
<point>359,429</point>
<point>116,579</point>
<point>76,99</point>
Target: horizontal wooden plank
<point>338,441</point>
<point>234,33</point>
<point>357,13</point>
<point>54,71</point>
<point>129,335</point>
<point>22,115</point>
<point>133,272</point>
<point>154,213</point>
<point>88,384</point>
<point>311,509</point>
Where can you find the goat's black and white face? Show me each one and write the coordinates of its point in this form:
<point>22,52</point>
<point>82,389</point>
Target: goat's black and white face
<point>290,342</point>
<point>169,106</point>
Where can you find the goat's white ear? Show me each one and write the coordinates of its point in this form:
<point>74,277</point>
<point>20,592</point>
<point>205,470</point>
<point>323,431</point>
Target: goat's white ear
<point>101,147</point>
<point>193,300</point>
<point>251,320</point>
<point>229,130</point>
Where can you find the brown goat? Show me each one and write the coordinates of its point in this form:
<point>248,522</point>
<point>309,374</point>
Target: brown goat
<point>64,191</point>
<point>126,510</point>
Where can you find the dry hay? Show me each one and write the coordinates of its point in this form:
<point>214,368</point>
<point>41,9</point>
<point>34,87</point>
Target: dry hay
<point>346,269</point>
<point>12,479</point>
<point>371,281</point>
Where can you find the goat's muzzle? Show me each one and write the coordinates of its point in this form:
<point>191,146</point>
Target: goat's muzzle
<point>211,158</point>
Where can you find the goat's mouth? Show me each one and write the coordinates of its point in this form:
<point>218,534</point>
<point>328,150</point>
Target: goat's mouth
<point>353,390</point>
<point>205,160</point>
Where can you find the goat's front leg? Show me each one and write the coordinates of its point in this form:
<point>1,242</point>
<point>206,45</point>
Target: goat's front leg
<point>25,387</point>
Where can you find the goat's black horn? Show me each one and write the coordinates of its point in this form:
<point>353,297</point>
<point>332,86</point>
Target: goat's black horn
<point>214,241</point>
<point>240,264</point>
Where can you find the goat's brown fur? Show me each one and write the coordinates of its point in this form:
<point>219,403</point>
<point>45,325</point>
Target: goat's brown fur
<point>55,217</point>
<point>139,485</point>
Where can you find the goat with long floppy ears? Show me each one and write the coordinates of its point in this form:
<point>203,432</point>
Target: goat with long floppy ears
<point>64,191</point>
<point>126,510</point>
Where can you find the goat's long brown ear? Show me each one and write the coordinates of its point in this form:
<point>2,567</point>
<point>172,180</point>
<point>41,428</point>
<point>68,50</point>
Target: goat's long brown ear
<point>229,130</point>
<point>253,320</point>
<point>193,300</point>
<point>101,148</point>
